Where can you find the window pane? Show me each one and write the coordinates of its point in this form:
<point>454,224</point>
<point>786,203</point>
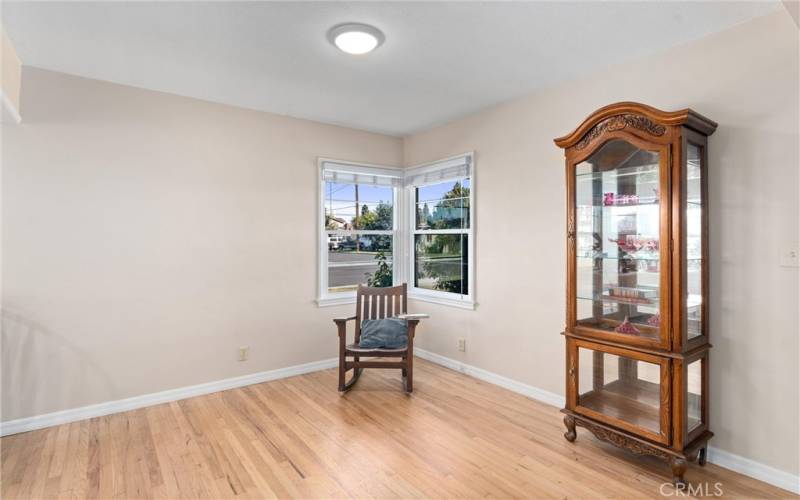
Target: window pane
<point>444,205</point>
<point>358,259</point>
<point>440,262</point>
<point>358,206</point>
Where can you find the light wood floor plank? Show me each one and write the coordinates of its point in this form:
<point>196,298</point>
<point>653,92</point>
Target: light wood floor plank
<point>455,437</point>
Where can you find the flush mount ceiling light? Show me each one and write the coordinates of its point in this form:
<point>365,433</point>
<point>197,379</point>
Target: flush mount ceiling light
<point>355,38</point>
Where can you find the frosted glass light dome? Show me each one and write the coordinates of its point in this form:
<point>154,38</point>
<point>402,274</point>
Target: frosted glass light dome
<point>355,38</point>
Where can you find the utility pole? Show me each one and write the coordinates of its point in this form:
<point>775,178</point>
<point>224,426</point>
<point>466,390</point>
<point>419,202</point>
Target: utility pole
<point>356,224</point>
<point>330,204</point>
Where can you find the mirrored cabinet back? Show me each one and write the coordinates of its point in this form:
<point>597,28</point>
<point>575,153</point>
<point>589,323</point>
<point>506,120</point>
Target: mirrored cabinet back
<point>636,330</point>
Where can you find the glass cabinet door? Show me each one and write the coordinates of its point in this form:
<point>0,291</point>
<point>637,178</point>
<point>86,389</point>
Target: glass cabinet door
<point>694,380</point>
<point>693,251</point>
<point>627,389</point>
<point>618,244</point>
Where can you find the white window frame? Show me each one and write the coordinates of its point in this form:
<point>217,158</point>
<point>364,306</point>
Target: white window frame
<point>404,232</point>
<point>464,301</point>
<point>324,297</point>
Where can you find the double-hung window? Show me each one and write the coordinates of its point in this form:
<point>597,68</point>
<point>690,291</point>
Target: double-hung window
<point>382,226</point>
<point>358,228</point>
<point>441,234</point>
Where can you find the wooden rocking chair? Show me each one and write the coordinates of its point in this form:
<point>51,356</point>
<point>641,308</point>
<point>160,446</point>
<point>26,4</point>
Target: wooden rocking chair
<point>377,303</point>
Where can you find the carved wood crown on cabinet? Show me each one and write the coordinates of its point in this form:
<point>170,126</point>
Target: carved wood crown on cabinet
<point>619,122</point>
<point>643,281</point>
<point>685,117</point>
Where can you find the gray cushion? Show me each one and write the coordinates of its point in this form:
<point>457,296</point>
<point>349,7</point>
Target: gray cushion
<point>389,333</point>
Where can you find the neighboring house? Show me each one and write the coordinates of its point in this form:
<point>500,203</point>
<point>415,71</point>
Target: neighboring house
<point>337,223</point>
<point>334,224</point>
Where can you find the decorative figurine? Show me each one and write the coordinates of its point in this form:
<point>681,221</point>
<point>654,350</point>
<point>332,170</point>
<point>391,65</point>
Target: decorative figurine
<point>632,243</point>
<point>626,327</point>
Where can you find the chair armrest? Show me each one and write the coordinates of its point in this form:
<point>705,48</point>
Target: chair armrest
<point>341,328</point>
<point>412,320</point>
<point>343,320</point>
<point>417,316</point>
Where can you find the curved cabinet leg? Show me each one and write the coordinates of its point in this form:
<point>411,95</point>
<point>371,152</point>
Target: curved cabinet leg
<point>570,435</point>
<point>678,466</point>
<point>701,457</point>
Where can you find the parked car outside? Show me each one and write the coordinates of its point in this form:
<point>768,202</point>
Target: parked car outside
<point>334,242</point>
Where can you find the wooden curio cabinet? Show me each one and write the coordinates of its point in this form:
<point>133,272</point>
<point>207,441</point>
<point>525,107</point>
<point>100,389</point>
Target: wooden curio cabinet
<point>637,281</point>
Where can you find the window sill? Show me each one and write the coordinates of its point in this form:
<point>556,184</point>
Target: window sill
<point>444,301</point>
<point>336,301</point>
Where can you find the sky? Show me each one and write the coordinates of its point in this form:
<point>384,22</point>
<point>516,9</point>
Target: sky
<point>340,198</point>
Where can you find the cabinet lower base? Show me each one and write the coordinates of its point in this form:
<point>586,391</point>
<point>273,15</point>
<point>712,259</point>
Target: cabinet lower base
<point>678,460</point>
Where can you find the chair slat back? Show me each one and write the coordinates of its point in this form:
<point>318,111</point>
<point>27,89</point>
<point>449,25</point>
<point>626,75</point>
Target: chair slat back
<point>378,303</point>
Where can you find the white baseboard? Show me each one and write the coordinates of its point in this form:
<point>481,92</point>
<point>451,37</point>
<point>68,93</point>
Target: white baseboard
<point>532,392</point>
<point>736,463</point>
<point>756,470</point>
<point>120,405</point>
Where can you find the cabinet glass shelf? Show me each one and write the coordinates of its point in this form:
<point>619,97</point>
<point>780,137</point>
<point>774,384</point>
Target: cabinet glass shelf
<point>587,255</point>
<point>635,402</point>
<point>619,387</point>
<point>619,300</point>
<point>694,300</point>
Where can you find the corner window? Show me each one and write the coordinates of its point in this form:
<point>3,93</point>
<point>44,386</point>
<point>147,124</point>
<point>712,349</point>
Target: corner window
<point>358,230</point>
<point>441,242</point>
<point>382,226</point>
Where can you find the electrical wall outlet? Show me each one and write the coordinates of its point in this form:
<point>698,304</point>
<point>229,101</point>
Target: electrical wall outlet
<point>244,352</point>
<point>462,345</point>
<point>790,256</point>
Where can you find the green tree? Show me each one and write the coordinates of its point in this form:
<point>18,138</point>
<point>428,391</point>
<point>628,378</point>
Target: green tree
<point>450,209</point>
<point>446,261</point>
<point>382,276</point>
<point>381,219</point>
<point>384,216</point>
<point>367,221</point>
<point>447,253</point>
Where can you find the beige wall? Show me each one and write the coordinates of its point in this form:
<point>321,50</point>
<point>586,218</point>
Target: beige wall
<point>147,236</point>
<point>793,7</point>
<point>10,75</point>
<point>747,80</point>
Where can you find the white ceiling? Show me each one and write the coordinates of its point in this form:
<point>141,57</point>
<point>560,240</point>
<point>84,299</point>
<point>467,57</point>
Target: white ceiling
<point>441,60</point>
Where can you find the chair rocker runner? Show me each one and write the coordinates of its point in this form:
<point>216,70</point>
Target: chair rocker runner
<point>377,303</point>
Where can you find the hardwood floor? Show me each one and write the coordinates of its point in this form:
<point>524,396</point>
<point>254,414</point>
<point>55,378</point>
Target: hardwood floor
<point>454,437</point>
